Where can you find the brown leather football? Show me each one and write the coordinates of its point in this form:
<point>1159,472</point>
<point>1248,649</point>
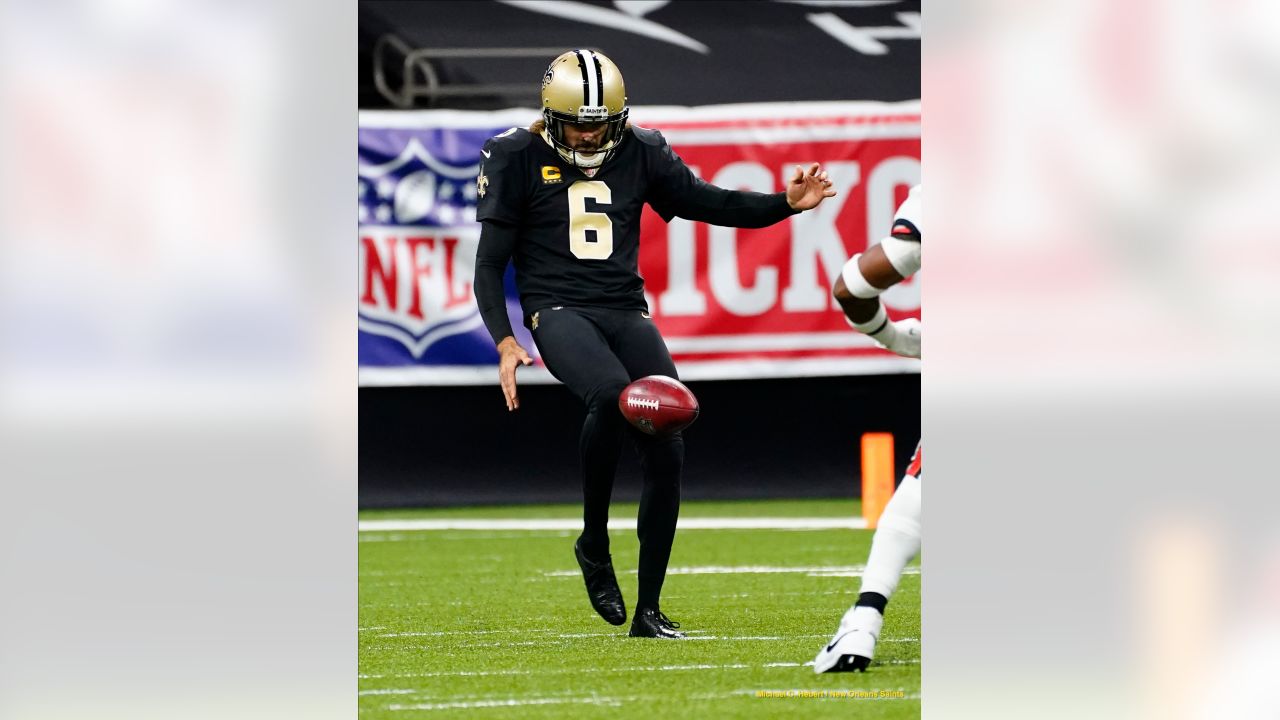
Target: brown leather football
<point>658,405</point>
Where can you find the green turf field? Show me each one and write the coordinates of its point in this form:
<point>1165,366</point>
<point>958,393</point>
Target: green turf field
<point>496,623</point>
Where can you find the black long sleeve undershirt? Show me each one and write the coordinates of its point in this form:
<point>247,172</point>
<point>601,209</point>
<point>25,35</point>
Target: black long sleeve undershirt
<point>703,202</point>
<point>677,192</point>
<point>497,243</point>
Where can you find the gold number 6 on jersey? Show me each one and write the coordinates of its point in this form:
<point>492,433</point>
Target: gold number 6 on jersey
<point>580,221</point>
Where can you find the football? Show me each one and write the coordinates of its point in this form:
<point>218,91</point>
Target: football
<point>658,405</point>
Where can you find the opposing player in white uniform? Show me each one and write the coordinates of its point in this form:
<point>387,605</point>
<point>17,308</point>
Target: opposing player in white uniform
<point>897,537</point>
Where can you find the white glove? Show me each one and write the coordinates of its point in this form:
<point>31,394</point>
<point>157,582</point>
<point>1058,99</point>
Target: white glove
<point>901,337</point>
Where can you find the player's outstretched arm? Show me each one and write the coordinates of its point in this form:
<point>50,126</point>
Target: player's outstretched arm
<point>677,192</point>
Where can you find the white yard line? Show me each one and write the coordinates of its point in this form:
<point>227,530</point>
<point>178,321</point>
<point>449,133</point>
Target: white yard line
<point>722,523</point>
<point>446,633</point>
<point>831,692</point>
<point>692,635</point>
<point>858,573</point>
<point>510,644</point>
<point>730,596</point>
<point>814,570</point>
<point>511,702</point>
<point>477,673</point>
<point>508,631</point>
<point>386,538</point>
<point>466,535</point>
<point>576,671</point>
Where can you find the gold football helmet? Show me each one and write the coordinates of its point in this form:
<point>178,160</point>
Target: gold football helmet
<point>584,86</point>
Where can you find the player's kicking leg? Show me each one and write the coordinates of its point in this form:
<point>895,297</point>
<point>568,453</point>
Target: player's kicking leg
<point>643,352</point>
<point>896,541</point>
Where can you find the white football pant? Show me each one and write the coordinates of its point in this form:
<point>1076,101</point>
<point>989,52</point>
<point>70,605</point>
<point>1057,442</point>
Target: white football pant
<point>897,539</point>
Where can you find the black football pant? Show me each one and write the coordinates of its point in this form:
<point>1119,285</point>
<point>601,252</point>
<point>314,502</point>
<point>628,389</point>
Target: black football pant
<point>596,352</point>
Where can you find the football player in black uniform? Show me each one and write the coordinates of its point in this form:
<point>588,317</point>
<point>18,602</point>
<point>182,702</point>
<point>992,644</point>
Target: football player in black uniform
<point>563,199</point>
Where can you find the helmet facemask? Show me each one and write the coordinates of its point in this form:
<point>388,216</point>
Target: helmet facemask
<point>584,87</point>
<point>609,141</point>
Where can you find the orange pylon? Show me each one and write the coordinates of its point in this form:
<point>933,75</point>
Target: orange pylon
<point>877,475</point>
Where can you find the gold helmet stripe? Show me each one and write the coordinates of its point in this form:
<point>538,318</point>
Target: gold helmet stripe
<point>591,79</point>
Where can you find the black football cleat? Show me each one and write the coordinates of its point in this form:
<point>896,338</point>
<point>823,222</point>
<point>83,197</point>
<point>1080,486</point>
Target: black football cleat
<point>651,623</point>
<point>602,587</point>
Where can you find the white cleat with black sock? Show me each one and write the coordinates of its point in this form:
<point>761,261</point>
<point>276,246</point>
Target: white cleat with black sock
<point>854,644</point>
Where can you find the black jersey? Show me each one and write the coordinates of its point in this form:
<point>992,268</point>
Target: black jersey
<point>577,237</point>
